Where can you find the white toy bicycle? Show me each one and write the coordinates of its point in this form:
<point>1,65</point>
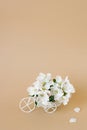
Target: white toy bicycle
<point>47,93</point>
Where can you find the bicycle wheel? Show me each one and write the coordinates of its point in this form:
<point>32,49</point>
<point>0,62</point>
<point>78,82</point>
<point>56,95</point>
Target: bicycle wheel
<point>27,104</point>
<point>51,109</point>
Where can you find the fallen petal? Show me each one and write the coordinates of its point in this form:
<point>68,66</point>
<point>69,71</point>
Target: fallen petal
<point>72,120</point>
<point>77,109</point>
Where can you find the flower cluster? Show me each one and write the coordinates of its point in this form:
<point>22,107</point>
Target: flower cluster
<point>47,91</point>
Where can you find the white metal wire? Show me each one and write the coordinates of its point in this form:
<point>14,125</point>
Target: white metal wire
<point>51,109</point>
<point>25,104</point>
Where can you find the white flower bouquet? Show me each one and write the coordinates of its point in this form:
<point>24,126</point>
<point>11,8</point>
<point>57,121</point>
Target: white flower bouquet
<point>48,93</point>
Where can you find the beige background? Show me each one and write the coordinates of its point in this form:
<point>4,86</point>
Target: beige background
<point>42,36</point>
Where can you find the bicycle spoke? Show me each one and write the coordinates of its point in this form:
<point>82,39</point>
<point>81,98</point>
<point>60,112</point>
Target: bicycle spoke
<point>25,103</point>
<point>47,109</point>
<point>52,108</point>
<point>28,100</point>
<point>29,108</point>
<point>31,103</point>
<point>23,107</point>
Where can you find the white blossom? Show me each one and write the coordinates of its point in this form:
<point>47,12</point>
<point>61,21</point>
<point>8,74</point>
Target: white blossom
<point>32,91</point>
<point>46,90</point>
<point>59,79</point>
<point>42,99</point>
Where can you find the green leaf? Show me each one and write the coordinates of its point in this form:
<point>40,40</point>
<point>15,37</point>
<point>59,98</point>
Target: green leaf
<point>44,83</point>
<point>54,80</point>
<point>43,88</point>
<point>51,85</point>
<point>64,94</point>
<point>35,103</point>
<point>51,98</point>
